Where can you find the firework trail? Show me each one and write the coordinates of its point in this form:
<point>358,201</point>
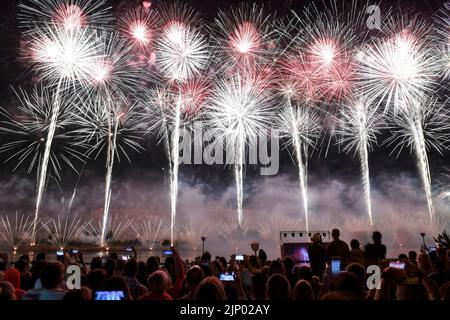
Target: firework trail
<point>240,111</point>
<point>62,52</point>
<point>358,126</point>
<point>299,124</point>
<point>113,126</point>
<point>29,128</point>
<point>45,135</point>
<point>114,77</point>
<point>181,54</point>
<point>442,22</point>
<point>243,40</point>
<point>420,128</point>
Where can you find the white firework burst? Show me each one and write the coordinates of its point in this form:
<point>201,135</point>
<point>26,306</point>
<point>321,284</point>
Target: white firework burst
<point>181,51</point>
<point>28,131</point>
<point>400,68</point>
<point>139,25</point>
<point>66,14</point>
<point>244,37</point>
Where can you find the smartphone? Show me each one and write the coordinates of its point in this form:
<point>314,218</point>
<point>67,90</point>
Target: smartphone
<point>397,264</point>
<point>60,253</point>
<point>125,258</point>
<point>74,251</point>
<point>431,249</point>
<point>129,249</point>
<point>109,295</point>
<point>227,276</point>
<point>335,266</point>
<point>167,252</point>
<point>239,257</point>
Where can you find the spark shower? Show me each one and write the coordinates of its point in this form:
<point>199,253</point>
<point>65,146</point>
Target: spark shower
<point>318,77</point>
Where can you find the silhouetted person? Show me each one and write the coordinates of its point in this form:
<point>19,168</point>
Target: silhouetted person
<point>129,275</point>
<point>440,276</point>
<point>412,256</point>
<point>375,252</point>
<point>338,248</point>
<point>356,254</point>
<point>289,267</point>
<point>316,253</point>
<point>193,278</point>
<point>278,287</point>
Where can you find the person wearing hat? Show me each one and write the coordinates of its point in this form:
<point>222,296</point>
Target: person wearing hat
<point>316,253</point>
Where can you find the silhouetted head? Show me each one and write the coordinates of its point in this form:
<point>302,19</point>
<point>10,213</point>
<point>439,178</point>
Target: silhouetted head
<point>262,256</point>
<point>288,264</point>
<point>152,264</point>
<point>210,289</point>
<point>276,267</point>
<point>158,281</point>
<point>206,256</point>
<point>95,279</point>
<point>40,256</point>
<point>278,287</point>
<point>303,291</point>
<point>52,275</point>
<point>335,233</point>
<point>110,267</point>
<point>349,283</point>
<point>96,263</point>
<point>354,244</point>
<point>305,273</point>
<point>193,277</point>
<point>376,237</point>
<point>412,255</point>
<point>358,270</point>
<point>131,268</point>
<point>402,256</point>
<point>83,294</point>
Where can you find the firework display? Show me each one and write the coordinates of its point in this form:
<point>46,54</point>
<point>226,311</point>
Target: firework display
<point>106,82</point>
